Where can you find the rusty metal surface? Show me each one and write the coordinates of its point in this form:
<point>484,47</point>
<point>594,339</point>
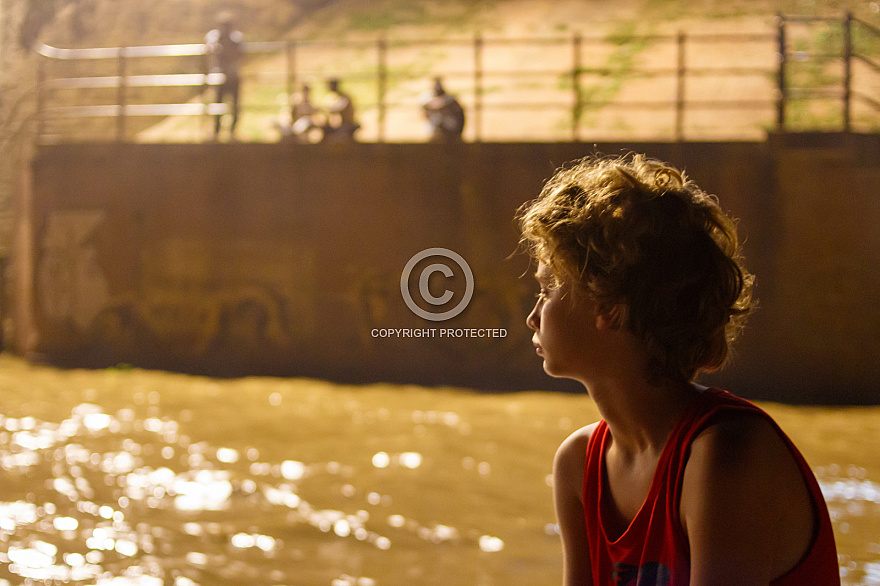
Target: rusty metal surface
<point>239,259</point>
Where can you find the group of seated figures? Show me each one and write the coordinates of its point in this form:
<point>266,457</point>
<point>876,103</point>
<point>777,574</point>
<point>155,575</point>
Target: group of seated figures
<point>302,121</point>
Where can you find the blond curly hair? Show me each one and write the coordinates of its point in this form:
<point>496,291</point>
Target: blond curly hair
<point>636,232</point>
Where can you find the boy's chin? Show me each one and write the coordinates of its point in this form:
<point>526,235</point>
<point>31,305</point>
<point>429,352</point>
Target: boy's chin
<point>554,372</point>
<point>557,371</point>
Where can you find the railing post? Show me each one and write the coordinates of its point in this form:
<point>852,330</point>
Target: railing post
<point>290,66</point>
<point>381,83</point>
<point>206,98</point>
<point>781,91</point>
<point>41,96</point>
<point>681,73</point>
<point>121,99</point>
<point>478,87</point>
<point>576,86</point>
<point>847,70</point>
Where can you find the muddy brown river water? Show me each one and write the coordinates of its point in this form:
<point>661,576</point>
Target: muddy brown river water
<point>129,477</point>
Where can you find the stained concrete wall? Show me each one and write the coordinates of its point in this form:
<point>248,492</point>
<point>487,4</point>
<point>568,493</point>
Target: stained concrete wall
<point>234,259</point>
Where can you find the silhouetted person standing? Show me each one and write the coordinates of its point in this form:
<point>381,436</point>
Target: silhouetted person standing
<point>224,49</point>
<point>445,115</point>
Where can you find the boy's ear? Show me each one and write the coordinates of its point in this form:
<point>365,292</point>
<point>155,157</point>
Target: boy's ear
<point>610,319</point>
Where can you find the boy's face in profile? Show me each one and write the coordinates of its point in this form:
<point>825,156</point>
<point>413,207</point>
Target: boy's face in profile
<point>565,325</point>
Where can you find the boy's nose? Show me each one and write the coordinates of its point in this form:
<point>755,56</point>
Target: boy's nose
<point>532,319</point>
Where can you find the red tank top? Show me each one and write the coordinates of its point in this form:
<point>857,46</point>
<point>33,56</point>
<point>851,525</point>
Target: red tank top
<point>654,550</point>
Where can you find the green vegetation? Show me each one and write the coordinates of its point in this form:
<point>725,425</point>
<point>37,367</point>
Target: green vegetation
<point>608,79</point>
<point>342,19</point>
<point>806,115</point>
<point>365,18</point>
<point>722,9</point>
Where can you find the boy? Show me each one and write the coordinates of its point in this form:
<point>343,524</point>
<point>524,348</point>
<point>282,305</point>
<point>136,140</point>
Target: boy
<point>642,288</point>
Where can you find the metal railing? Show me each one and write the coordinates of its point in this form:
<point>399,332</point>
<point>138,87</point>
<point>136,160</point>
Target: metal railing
<point>570,82</point>
<point>848,54</point>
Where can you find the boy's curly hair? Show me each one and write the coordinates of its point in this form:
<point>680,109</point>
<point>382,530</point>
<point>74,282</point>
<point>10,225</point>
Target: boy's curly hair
<point>635,231</point>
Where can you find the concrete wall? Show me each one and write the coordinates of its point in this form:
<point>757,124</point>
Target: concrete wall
<point>233,259</point>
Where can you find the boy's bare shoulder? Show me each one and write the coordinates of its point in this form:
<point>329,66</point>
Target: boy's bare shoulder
<point>573,450</point>
<point>739,449</point>
<point>745,503</point>
<point>751,441</point>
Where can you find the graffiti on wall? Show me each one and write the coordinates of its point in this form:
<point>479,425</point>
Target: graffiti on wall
<point>241,293</point>
<point>71,285</point>
<point>191,297</point>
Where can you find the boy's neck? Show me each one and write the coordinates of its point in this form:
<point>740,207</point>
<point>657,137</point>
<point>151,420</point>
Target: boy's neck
<point>640,416</point>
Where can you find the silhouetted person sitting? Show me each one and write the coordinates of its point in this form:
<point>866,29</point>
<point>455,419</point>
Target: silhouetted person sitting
<point>224,50</point>
<point>445,115</point>
<point>341,124</point>
<point>298,121</point>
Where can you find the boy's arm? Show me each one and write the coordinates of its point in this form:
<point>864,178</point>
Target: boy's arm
<point>568,482</point>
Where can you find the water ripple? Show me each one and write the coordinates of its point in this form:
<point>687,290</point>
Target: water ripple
<point>120,495</point>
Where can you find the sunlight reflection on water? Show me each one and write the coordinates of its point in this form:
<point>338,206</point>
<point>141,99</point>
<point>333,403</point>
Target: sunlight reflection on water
<point>851,498</point>
<point>128,499</point>
<point>98,527</point>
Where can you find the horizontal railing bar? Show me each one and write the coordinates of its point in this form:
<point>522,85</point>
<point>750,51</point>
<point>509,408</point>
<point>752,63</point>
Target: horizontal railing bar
<point>488,42</point>
<point>606,72</point>
<point>793,55</point>
<point>731,71</point>
<point>217,108</point>
<point>821,93</point>
<point>137,110</point>
<point>514,74</point>
<point>160,80</point>
<point>711,38</point>
<point>637,105</point>
<point>115,52</point>
<point>810,19</point>
<point>528,41</point>
<point>196,49</point>
<point>186,50</point>
<point>200,79</point>
<point>730,104</point>
<point>702,105</point>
